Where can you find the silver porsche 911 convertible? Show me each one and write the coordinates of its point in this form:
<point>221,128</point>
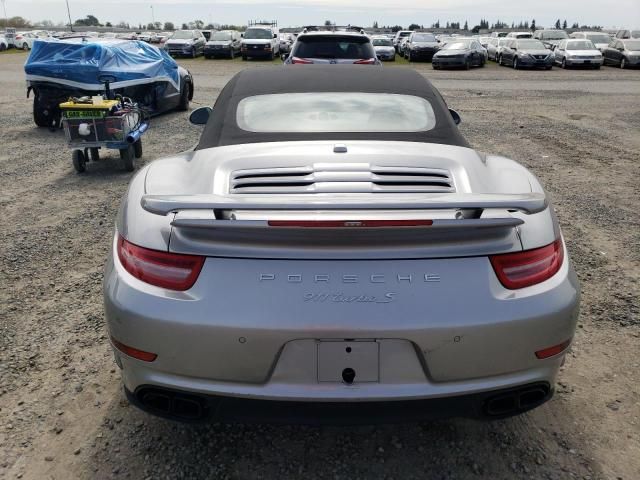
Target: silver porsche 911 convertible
<point>333,250</point>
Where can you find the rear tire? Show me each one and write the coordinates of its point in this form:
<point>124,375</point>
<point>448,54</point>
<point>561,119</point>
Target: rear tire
<point>137,148</point>
<point>193,52</point>
<point>563,64</point>
<point>183,106</point>
<point>128,158</point>
<point>79,161</point>
<point>500,61</point>
<point>95,154</point>
<point>467,64</point>
<point>515,63</point>
<point>232,55</point>
<point>623,63</point>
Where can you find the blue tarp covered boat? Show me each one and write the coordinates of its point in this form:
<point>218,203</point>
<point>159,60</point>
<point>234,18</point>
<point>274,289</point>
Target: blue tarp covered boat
<point>59,69</point>
<point>79,63</point>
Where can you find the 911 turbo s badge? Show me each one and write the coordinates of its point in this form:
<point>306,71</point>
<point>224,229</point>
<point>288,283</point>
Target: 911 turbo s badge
<point>375,279</point>
<point>342,298</point>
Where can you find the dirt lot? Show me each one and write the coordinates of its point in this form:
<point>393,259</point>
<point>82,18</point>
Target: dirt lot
<point>62,411</point>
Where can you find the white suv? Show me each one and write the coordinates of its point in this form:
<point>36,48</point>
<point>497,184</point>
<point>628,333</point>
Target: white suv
<point>260,41</point>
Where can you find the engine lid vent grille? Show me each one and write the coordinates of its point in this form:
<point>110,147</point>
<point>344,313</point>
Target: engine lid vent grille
<point>341,178</point>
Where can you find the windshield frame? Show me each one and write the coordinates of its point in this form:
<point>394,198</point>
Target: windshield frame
<point>181,37</point>
<point>268,34</point>
<point>450,46</point>
<point>546,35</point>
<point>227,36</point>
<point>521,44</point>
<point>429,35</point>
<point>635,44</point>
<point>588,45</point>
<point>387,42</point>
<point>606,38</point>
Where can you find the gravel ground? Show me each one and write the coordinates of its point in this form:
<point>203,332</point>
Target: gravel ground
<point>62,411</point>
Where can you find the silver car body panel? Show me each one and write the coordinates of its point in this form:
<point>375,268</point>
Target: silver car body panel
<point>267,298</point>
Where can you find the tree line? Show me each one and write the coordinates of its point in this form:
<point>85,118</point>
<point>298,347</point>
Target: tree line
<point>92,21</point>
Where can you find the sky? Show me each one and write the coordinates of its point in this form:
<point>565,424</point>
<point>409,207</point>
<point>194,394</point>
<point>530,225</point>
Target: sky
<point>621,13</point>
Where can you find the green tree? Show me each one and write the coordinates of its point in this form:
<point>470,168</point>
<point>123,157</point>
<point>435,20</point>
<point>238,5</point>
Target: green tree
<point>185,26</point>
<point>89,21</point>
<point>564,25</point>
<point>17,22</point>
<point>558,24</point>
<point>413,26</point>
<point>533,25</point>
<point>327,23</point>
<point>169,26</point>
<point>466,25</point>
<point>108,24</point>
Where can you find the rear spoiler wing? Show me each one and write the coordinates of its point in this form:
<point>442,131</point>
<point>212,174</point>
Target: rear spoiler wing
<point>528,203</point>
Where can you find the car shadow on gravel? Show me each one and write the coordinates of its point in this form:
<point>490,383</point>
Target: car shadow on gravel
<point>134,444</point>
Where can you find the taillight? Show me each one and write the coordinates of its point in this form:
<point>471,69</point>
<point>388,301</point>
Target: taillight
<point>523,269</point>
<point>163,269</point>
<point>365,61</point>
<point>300,60</point>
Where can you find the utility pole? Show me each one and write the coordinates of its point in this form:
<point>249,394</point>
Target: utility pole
<point>69,13</point>
<point>153,17</point>
<point>4,7</point>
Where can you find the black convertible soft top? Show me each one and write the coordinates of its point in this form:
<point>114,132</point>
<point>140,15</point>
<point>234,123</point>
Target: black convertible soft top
<point>222,129</point>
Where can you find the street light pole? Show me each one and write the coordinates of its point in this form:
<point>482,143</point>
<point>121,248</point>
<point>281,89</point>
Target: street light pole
<point>153,17</point>
<point>69,13</point>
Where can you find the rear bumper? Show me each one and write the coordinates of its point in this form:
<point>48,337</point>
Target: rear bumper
<point>423,54</point>
<point>535,63</point>
<point>256,53</point>
<point>188,407</point>
<point>579,62</point>
<point>386,56</point>
<point>448,62</point>
<point>251,328</point>
<point>217,51</point>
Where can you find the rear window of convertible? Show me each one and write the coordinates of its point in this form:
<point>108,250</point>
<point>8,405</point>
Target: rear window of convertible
<point>335,112</point>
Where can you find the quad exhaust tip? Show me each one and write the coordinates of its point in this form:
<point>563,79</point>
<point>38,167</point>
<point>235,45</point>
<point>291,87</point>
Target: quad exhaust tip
<point>517,400</point>
<point>172,404</point>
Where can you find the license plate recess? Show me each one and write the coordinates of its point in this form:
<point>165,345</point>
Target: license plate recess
<point>344,360</point>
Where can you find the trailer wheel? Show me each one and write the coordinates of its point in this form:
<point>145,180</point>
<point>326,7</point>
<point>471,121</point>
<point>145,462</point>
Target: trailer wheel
<point>79,161</point>
<point>128,155</point>
<point>137,148</point>
<point>41,115</point>
<point>94,153</point>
